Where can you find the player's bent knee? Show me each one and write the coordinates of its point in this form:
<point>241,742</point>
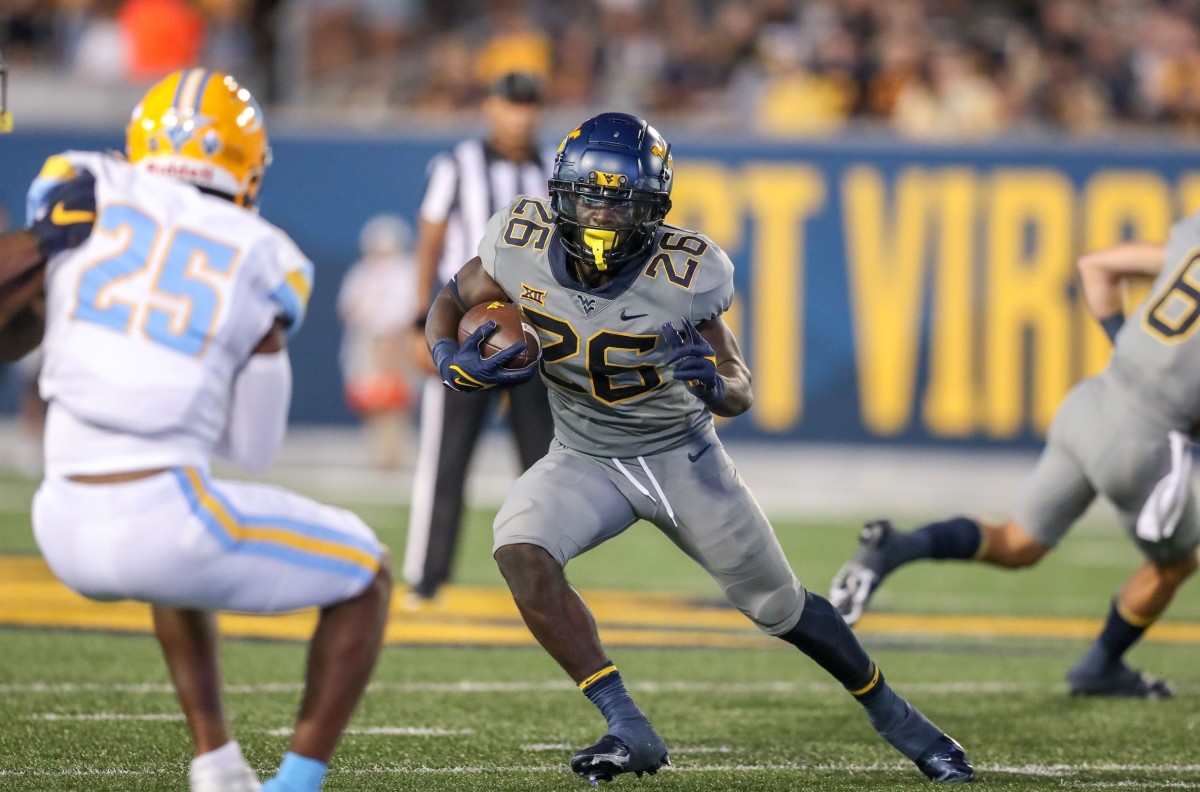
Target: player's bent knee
<point>1013,547</point>
<point>528,569</point>
<point>774,612</point>
<point>1174,573</point>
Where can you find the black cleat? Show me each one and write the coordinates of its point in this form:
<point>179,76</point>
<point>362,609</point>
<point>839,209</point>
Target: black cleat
<point>859,577</point>
<point>611,756</point>
<point>1117,681</point>
<point>945,762</point>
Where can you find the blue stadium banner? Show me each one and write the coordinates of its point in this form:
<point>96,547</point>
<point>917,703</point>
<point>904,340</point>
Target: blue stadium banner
<point>909,294</point>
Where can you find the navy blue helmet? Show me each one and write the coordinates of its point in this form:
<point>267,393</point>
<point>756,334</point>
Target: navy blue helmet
<point>611,189</point>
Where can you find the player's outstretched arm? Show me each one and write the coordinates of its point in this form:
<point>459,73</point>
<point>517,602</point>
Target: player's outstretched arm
<point>1102,274</point>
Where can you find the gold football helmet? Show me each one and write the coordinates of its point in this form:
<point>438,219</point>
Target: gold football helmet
<point>200,126</point>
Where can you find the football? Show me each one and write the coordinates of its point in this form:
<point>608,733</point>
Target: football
<point>511,328</point>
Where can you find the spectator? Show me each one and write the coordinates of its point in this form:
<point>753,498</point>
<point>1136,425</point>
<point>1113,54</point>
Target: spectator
<point>375,305</point>
<point>467,185</point>
<point>163,36</point>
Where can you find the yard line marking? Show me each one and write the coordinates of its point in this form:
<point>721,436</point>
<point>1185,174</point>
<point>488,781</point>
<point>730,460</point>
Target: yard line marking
<point>549,686</point>
<point>1055,771</point>
<point>686,750</point>
<point>386,731</point>
<point>106,716</point>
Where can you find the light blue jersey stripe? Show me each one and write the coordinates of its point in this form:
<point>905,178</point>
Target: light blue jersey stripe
<point>273,550</point>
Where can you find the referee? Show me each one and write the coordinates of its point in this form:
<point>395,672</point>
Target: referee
<point>466,186</point>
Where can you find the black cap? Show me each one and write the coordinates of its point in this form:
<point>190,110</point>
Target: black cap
<point>518,87</point>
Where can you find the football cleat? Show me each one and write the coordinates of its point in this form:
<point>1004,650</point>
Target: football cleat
<point>946,762</point>
<point>612,756</point>
<point>859,577</point>
<point>223,779</point>
<point>1117,681</point>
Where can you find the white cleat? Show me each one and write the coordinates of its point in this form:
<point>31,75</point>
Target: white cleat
<point>851,590</point>
<point>223,779</point>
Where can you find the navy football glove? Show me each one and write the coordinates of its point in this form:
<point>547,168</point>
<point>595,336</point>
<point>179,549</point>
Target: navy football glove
<point>463,367</point>
<point>695,362</point>
<point>66,218</point>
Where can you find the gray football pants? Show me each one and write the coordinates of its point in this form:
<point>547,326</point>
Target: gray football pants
<point>570,502</point>
<point>1102,443</point>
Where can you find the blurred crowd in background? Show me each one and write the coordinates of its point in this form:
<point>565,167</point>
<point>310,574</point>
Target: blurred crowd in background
<point>929,69</point>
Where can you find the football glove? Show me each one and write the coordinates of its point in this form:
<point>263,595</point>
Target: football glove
<point>695,362</point>
<point>67,215</point>
<point>463,367</point>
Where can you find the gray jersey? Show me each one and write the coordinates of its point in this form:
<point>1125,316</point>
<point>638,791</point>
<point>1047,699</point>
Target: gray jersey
<point>1157,353</point>
<point>602,349</point>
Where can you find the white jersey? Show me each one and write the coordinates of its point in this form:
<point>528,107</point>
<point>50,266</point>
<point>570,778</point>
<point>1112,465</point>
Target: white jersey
<point>149,321</point>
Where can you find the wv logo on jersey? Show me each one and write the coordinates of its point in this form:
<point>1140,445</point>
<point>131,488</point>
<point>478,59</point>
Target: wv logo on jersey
<point>588,304</point>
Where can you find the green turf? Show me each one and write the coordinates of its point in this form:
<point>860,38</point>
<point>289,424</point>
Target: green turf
<point>784,728</point>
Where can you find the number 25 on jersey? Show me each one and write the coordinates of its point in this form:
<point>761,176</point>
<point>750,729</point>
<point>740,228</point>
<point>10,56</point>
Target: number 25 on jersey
<point>188,273</point>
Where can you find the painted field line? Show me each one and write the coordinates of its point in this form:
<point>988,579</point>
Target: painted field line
<point>106,716</point>
<point>1059,771</point>
<point>468,687</point>
<point>485,615</point>
<point>386,731</point>
<point>686,750</point>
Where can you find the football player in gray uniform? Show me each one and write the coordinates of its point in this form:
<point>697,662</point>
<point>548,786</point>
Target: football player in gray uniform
<point>638,360</point>
<point>1124,434</point>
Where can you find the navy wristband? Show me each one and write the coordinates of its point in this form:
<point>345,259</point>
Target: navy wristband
<point>1112,324</point>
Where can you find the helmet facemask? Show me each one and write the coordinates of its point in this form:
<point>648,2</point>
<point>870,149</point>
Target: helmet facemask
<point>605,227</point>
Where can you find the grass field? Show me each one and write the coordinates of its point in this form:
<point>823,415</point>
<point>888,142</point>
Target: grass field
<point>82,709</point>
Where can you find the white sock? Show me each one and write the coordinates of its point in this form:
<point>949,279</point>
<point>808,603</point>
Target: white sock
<point>228,756</point>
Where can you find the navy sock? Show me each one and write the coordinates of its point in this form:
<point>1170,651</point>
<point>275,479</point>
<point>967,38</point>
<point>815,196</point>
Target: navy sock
<point>1120,632</point>
<point>823,635</point>
<point>958,537</point>
<point>606,690</point>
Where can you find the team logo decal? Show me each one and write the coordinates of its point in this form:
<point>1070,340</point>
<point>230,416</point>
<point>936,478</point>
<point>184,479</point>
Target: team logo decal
<point>588,304</point>
<point>533,295</point>
<point>607,179</point>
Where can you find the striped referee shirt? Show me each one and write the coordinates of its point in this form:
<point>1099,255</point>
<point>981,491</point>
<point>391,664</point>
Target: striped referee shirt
<point>467,185</point>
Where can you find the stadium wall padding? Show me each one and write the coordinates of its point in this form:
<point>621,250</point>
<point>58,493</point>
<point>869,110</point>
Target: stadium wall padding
<point>887,292</point>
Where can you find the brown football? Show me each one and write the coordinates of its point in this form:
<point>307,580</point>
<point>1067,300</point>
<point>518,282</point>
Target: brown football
<point>511,328</point>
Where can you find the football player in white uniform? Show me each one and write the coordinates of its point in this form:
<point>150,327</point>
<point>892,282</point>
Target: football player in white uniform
<point>168,301</point>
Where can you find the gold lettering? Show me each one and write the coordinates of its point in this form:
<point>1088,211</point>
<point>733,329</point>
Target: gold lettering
<point>697,202</point>
<point>1029,272</point>
<point>781,198</point>
<point>951,405</point>
<point>885,256</point>
<point>1189,193</point>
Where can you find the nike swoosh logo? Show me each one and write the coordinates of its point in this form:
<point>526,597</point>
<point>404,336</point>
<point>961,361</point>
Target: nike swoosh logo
<point>698,454</point>
<point>626,317</point>
<point>63,216</point>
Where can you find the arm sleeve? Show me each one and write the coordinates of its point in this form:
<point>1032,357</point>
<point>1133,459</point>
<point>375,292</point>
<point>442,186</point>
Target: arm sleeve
<point>441,189</point>
<point>258,412</point>
<point>714,285</point>
<point>289,279</point>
